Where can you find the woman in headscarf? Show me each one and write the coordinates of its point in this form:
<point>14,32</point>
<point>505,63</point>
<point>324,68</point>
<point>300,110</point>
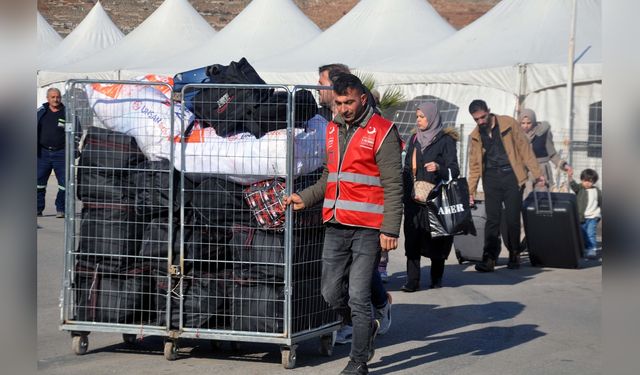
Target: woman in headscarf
<point>541,139</point>
<point>430,156</point>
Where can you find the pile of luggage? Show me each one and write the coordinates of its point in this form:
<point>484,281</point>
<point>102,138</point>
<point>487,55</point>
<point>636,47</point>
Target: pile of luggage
<point>233,256</point>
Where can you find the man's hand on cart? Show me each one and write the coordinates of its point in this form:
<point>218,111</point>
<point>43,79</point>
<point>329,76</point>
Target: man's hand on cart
<point>294,199</point>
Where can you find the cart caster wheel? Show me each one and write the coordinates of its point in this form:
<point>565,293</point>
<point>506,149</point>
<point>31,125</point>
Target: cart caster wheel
<point>288,357</point>
<point>129,338</point>
<point>80,344</point>
<point>326,344</point>
<point>170,350</point>
<point>215,344</point>
<point>235,346</point>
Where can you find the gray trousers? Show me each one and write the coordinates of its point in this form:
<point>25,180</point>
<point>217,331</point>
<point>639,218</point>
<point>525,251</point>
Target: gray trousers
<point>349,257</point>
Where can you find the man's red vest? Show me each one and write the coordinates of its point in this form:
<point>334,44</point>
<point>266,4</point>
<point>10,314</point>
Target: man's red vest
<point>354,194</point>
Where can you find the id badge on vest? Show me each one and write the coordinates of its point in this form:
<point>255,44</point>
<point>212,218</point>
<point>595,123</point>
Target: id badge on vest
<point>369,138</point>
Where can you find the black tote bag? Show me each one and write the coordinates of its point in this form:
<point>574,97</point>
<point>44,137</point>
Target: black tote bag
<point>448,209</point>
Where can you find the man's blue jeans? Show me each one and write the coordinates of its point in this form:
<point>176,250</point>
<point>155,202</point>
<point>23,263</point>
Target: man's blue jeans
<point>349,257</point>
<point>48,161</point>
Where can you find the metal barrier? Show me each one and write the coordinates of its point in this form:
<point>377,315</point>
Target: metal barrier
<point>181,231</point>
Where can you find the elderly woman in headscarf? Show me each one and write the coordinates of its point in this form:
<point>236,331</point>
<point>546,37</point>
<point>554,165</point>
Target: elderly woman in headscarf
<point>541,139</point>
<point>430,156</point>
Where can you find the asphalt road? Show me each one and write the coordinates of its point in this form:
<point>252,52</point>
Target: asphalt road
<point>526,321</point>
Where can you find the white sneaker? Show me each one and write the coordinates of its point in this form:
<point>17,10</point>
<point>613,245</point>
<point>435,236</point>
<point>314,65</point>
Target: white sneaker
<point>384,316</point>
<point>344,334</point>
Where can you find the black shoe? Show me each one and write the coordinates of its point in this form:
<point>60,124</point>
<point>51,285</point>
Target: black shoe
<point>355,368</point>
<point>436,284</point>
<point>39,214</point>
<point>407,288</point>
<point>487,265</point>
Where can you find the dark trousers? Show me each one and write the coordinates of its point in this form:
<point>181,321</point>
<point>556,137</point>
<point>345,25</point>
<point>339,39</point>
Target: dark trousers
<point>413,271</point>
<point>48,161</point>
<point>501,190</point>
<point>349,257</point>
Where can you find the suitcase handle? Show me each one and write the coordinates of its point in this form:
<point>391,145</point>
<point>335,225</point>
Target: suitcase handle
<point>537,202</point>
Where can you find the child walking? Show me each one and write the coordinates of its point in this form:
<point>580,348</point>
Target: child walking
<point>589,200</point>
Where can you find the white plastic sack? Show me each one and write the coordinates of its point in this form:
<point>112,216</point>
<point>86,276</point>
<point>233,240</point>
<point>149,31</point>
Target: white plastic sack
<point>143,112</point>
<point>244,159</point>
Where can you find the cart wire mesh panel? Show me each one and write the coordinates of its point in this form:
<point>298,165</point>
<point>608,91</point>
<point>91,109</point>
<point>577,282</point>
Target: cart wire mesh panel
<point>175,222</point>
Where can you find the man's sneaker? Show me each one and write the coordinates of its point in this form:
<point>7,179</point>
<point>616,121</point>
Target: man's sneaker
<point>60,215</point>
<point>355,368</point>
<point>344,334</point>
<point>375,323</point>
<point>384,316</point>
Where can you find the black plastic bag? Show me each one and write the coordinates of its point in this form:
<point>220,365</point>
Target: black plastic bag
<point>448,209</point>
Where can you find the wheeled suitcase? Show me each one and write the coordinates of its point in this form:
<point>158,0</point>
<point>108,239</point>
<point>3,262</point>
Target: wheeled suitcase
<point>469,247</point>
<point>552,229</point>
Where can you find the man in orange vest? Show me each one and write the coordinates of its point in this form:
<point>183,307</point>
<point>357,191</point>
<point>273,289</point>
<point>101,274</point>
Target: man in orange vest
<point>361,186</point>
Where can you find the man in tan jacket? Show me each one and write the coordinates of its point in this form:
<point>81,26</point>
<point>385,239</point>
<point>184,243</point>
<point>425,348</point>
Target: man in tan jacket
<point>501,154</point>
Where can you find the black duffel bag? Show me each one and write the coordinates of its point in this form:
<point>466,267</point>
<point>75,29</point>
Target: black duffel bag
<point>152,183</point>
<point>230,110</point>
<point>109,237</point>
<point>104,148</point>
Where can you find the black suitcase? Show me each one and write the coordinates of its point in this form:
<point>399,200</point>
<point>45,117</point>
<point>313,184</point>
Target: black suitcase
<point>552,229</point>
<point>469,247</point>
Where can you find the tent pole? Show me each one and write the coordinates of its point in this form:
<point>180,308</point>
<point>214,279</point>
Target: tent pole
<point>570,66</point>
<point>522,90</point>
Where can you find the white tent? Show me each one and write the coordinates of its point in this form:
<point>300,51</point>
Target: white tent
<point>264,28</point>
<point>518,51</point>
<point>172,29</point>
<point>48,38</point>
<point>372,30</point>
<point>94,33</point>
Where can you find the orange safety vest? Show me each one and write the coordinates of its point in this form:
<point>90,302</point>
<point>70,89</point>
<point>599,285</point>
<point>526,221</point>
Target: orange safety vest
<point>354,194</point>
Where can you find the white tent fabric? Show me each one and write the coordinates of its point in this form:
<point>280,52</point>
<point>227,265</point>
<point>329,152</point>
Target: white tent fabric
<point>94,33</point>
<point>372,30</point>
<point>172,29</point>
<point>48,38</point>
<point>519,47</point>
<point>264,28</point>
<point>517,50</point>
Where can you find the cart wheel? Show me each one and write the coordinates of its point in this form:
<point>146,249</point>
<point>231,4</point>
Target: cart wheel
<point>215,344</point>
<point>288,357</point>
<point>80,344</point>
<point>129,338</point>
<point>235,346</point>
<point>326,344</point>
<point>170,350</point>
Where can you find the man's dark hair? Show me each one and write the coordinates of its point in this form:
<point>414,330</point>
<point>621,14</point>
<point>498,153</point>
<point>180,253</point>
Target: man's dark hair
<point>589,175</point>
<point>334,70</point>
<point>478,105</point>
<point>344,82</point>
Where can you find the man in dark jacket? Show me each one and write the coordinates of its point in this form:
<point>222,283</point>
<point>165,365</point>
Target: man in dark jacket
<point>501,154</point>
<point>51,154</point>
<point>361,186</point>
